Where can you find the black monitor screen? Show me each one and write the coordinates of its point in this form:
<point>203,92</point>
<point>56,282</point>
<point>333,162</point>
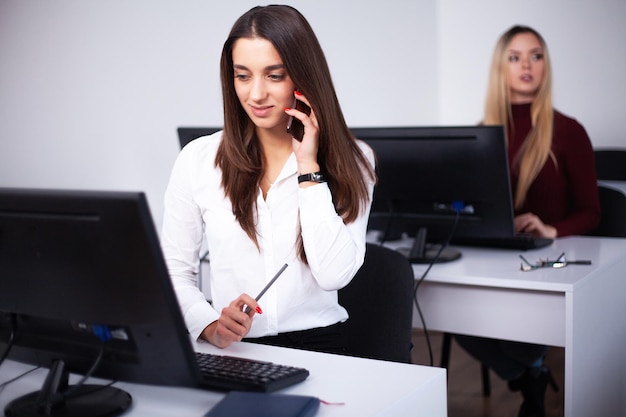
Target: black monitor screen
<point>83,282</point>
<point>430,175</point>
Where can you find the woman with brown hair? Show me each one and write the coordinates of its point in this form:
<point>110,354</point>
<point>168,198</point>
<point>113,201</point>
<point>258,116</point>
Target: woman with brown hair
<point>263,197</point>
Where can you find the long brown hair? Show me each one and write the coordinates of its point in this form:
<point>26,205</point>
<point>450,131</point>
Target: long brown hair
<point>537,146</point>
<point>240,156</point>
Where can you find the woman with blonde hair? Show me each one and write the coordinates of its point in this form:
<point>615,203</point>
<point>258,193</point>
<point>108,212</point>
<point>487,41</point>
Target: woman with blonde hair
<point>264,197</point>
<point>553,181</point>
<point>550,155</point>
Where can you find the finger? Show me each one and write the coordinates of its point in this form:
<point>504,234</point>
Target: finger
<point>303,117</point>
<point>307,120</point>
<point>252,308</point>
<point>233,323</point>
<point>226,333</point>
<point>524,226</point>
<point>299,96</point>
<point>227,336</point>
<point>244,299</point>
<point>247,304</point>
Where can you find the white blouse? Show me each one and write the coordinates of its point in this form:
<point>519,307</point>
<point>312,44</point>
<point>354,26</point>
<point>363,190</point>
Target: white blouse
<point>304,296</point>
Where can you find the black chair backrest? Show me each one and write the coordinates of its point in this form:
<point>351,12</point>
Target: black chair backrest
<point>187,134</point>
<point>610,164</point>
<point>613,218</point>
<point>379,300</point>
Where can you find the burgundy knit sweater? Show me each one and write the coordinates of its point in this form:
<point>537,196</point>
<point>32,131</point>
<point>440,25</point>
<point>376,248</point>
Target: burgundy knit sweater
<point>563,195</point>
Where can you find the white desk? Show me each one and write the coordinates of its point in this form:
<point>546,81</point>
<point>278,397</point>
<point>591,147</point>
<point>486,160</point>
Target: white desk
<point>581,308</point>
<point>367,387</point>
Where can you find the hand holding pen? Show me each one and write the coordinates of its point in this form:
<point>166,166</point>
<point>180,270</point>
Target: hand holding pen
<point>234,323</point>
<point>269,284</point>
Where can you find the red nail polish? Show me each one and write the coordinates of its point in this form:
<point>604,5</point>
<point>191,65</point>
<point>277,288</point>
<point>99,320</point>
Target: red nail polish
<point>287,108</point>
<point>258,310</point>
<point>298,93</point>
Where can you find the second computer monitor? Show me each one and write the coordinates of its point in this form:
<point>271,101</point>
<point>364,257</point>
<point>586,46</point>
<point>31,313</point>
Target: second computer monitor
<point>430,175</point>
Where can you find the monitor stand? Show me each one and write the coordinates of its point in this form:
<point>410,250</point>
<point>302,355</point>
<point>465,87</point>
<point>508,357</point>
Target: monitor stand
<point>424,253</point>
<point>58,399</point>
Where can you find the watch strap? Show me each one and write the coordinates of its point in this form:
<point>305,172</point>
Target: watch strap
<point>312,176</point>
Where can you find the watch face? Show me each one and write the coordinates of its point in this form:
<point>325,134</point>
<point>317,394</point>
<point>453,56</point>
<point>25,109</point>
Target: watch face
<point>317,177</point>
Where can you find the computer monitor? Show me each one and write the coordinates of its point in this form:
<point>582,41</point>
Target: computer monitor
<point>187,134</point>
<point>83,282</point>
<point>440,182</point>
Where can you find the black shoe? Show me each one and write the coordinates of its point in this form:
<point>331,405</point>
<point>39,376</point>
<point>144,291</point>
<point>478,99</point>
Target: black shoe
<point>533,383</point>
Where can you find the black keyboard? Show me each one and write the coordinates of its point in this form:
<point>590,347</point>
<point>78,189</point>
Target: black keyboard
<point>517,242</point>
<point>228,373</point>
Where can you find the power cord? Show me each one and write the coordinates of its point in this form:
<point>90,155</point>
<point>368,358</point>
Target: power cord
<point>104,334</point>
<point>23,374</point>
<point>457,207</point>
<point>11,340</point>
<point>421,279</point>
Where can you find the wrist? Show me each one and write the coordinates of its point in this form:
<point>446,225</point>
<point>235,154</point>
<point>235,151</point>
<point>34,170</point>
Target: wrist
<point>308,167</point>
<point>312,177</point>
<point>210,335</point>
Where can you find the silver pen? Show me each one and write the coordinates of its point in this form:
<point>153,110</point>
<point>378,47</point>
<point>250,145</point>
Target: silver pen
<point>269,284</point>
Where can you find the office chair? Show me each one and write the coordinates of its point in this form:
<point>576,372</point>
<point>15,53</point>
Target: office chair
<point>610,163</point>
<point>613,217</point>
<point>611,166</point>
<point>187,134</point>
<point>379,300</point>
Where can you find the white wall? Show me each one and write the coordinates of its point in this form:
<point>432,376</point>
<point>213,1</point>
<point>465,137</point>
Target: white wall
<point>91,92</point>
<point>586,43</point>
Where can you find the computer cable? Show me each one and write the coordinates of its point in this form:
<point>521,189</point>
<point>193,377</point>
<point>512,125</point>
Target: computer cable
<point>104,334</point>
<point>5,354</point>
<point>388,223</point>
<point>419,281</point>
<point>457,210</point>
<point>11,340</point>
<point>23,374</point>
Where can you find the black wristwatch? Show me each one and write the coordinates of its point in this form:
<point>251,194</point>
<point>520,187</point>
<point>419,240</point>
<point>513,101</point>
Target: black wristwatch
<point>313,177</point>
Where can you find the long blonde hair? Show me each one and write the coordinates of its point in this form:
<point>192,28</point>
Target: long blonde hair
<point>538,144</point>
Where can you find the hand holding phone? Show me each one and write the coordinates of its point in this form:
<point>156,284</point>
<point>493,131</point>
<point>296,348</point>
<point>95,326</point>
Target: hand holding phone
<point>295,126</point>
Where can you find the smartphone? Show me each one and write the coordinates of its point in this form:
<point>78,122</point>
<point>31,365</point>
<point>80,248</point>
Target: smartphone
<point>295,126</point>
